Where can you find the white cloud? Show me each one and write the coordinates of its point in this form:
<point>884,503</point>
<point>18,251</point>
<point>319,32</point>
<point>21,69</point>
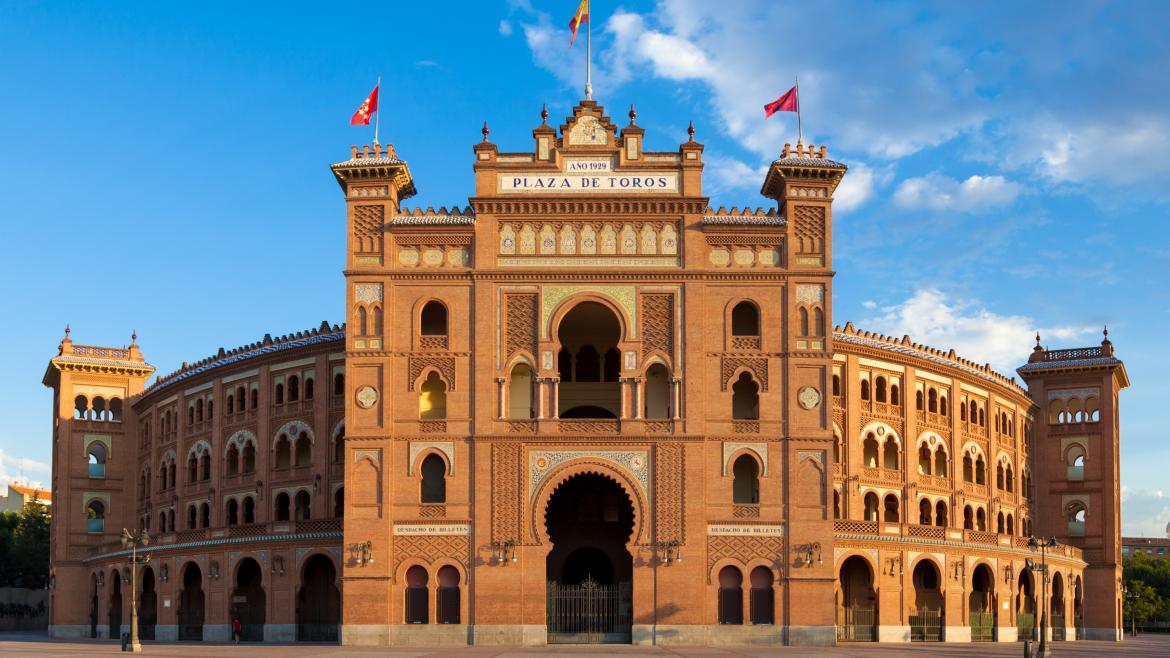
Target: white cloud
<point>1144,513</point>
<point>937,192</point>
<point>859,186</point>
<point>19,469</point>
<point>933,318</point>
<point>505,28</point>
<point>724,174</point>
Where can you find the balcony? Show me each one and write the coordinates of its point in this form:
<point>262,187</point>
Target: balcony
<point>95,526</point>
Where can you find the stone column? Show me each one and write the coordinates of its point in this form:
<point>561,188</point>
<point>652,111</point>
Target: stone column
<point>555,397</point>
<point>625,405</point>
<point>636,396</point>
<point>675,388</point>
<point>501,402</point>
<point>540,398</point>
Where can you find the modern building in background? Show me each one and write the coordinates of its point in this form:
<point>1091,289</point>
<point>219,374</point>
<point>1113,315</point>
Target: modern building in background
<point>20,495</point>
<point>587,407</point>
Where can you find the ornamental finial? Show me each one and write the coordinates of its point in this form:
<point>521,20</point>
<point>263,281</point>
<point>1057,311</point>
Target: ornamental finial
<point>633,114</point>
<point>544,114</point>
<point>691,132</point>
<point>67,332</point>
<point>485,131</point>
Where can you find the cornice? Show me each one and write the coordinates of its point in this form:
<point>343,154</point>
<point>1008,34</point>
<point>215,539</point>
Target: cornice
<point>227,541</point>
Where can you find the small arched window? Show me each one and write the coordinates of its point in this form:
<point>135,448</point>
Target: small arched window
<point>980,520</point>
<point>192,517</point>
<point>278,398</point>
<point>205,465</point>
<point>294,388</point>
<point>871,506</point>
<point>433,319</point>
<point>980,470</point>
<point>864,389</point>
<point>199,411</point>
<point>362,321</point>
<point>968,469</point>
<point>432,398</point>
<point>918,401</point>
<point>304,450</point>
<point>836,385</point>
<point>924,510</point>
<point>433,488</point>
<point>1076,520</point>
<point>417,595</point>
<point>377,320</point>
<point>890,506</point>
<point>231,461</point>
<point>281,506</point>
<point>249,510</point>
<point>255,398</point>
<point>890,457</point>
<point>730,596</point>
<point>339,384</point>
<point>95,514</point>
<point>879,389</point>
<point>745,398</point>
<point>942,405</point>
<point>96,456</point>
<point>762,598</point>
<point>804,328</point>
<point>869,451</point>
<point>80,407</point>
<point>895,398</point>
<point>932,401</point>
<point>818,321</point>
<point>301,503</point>
<point>233,512</point>
<point>968,518</point>
<point>248,463</point>
<point>447,603</point>
<point>339,503</point>
<point>205,516</point>
<point>745,320</point>
<point>940,514</point>
<point>924,461</point>
<point>745,486</point>
<point>283,452</point>
<point>308,388</point>
<point>940,463</point>
<point>241,399</point>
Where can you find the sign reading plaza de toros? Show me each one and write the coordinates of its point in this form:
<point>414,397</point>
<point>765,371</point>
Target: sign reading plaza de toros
<point>589,175</point>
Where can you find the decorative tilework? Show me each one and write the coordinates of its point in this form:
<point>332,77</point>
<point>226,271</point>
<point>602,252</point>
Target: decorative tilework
<point>551,296</point>
<point>367,292</point>
<point>543,462</point>
<point>810,294</point>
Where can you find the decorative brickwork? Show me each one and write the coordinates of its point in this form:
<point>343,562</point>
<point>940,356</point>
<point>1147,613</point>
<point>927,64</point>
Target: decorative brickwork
<point>506,500</point>
<point>520,321</point>
<point>758,365</point>
<point>737,547</point>
<point>429,548</point>
<point>658,324</point>
<point>669,492</point>
<point>444,364</point>
<point>810,229</point>
<point>368,227</point>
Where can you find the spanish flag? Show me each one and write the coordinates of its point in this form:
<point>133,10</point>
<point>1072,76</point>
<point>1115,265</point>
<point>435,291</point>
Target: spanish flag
<point>582,16</point>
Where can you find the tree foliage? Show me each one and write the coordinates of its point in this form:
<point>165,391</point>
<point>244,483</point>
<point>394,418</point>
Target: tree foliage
<point>1149,579</point>
<point>24,547</point>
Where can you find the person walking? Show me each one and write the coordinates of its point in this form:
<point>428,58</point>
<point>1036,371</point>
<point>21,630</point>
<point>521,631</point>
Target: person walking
<point>237,629</point>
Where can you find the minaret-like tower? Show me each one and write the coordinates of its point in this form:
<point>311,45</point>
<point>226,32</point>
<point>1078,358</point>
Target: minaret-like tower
<point>1074,484</point>
<point>94,471</point>
<point>802,182</point>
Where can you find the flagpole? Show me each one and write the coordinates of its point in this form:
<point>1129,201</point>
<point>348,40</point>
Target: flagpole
<point>378,112</point>
<point>799,125</point>
<point>589,57</point>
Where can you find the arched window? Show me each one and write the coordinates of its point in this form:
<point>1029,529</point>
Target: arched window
<point>745,320</point>
<point>1011,525</point>
<point>283,452</point>
<point>447,605</point>
<point>968,518</point>
<point>249,510</point>
<point>924,510</point>
<point>730,596</point>
<point>999,476</point>
<point>869,451</point>
<point>432,398</point>
<point>895,398</point>
<point>294,388</point>
<point>891,508</point>
<point>520,392</point>
<point>836,504</point>
<point>864,389</point>
<point>818,321</point>
<point>871,506</point>
<point>932,401</point>
<point>116,410</point>
<point>377,320</point>
<point>190,413</point>
<point>879,389</point>
<point>745,485</point>
<point>205,516</point>
<point>1076,520</point>
<point>745,398</point>
<point>924,459</point>
<point>96,456</point>
<point>192,468</point>
<point>304,450</point>
<point>980,470</point>
<point>192,517</point>
<point>918,400</point>
<point>968,469</point>
<point>339,384</point>
<point>982,419</point>
<point>890,458</point>
<point>248,463</point>
<point>205,465</point>
<point>282,506</point>
<point>940,463</point>
<point>80,407</point>
<point>981,520</point>
<point>962,411</point>
<point>802,312</point>
<point>301,502</point>
<point>762,598</point>
<point>999,525</point>
<point>308,388</point>
<point>231,461</point>
<point>255,398</point>
<point>241,399</point>
<point>95,514</point>
<point>657,388</point>
<point>174,480</point>
<point>940,514</point>
<point>278,398</point>
<point>230,406</point>
<point>363,322</point>
<point>942,405</point>
<point>339,503</point>
<point>417,602</point>
<point>836,385</point>
<point>433,319</point>
<point>433,488</point>
<point>199,411</point>
<point>233,512</point>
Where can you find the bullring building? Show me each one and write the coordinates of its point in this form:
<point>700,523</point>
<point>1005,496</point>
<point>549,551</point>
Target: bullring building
<point>587,407</point>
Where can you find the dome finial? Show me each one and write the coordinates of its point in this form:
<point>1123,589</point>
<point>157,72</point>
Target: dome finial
<point>633,114</point>
<point>544,114</point>
<point>485,131</point>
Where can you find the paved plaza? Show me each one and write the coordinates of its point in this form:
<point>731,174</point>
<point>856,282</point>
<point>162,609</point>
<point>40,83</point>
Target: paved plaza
<point>17,645</point>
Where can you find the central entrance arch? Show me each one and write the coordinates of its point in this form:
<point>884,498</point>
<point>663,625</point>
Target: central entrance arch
<point>589,519</point>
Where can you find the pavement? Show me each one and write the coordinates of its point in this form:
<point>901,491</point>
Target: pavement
<point>19,645</point>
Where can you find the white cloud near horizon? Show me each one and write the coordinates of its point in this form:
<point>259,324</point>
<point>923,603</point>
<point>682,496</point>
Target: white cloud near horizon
<point>20,470</point>
<point>932,317</point>
<point>1144,513</point>
<point>937,192</point>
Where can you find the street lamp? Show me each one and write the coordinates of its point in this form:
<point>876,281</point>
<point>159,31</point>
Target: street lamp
<point>1132,596</point>
<point>132,540</point>
<point>1045,650</point>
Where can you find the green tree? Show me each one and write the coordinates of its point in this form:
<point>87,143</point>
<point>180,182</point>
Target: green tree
<point>8,522</point>
<point>30,546</point>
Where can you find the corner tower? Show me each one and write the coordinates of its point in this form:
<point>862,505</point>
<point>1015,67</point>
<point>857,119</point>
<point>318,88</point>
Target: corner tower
<point>1076,465</point>
<point>94,464</point>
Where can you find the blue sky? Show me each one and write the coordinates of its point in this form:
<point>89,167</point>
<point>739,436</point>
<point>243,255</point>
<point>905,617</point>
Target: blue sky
<point>163,167</point>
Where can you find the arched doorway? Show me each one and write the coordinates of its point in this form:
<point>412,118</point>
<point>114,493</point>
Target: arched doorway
<point>191,611</point>
<point>589,363</point>
<point>589,569</point>
<point>247,602</point>
<point>1025,606</point>
<point>926,621</point>
<point>856,602</point>
<point>981,603</point>
<point>1056,607</point>
<point>318,601</point>
<point>147,605</point>
<point>115,609</point>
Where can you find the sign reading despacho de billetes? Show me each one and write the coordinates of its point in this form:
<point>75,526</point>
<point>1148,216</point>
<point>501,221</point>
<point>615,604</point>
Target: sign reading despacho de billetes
<point>750,530</point>
<point>432,529</point>
<point>576,183</point>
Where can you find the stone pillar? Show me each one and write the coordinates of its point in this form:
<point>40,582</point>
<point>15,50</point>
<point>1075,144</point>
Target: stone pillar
<point>636,396</point>
<point>675,388</point>
<point>540,398</point>
<point>501,402</point>
<point>555,397</point>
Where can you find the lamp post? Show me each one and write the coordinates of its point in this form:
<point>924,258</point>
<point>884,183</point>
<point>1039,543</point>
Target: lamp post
<point>1045,650</point>
<point>1132,596</point>
<point>132,540</point>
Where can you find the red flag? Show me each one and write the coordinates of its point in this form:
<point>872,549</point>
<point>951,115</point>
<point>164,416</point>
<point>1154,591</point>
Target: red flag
<point>363,114</point>
<point>582,16</point>
<point>786,103</point>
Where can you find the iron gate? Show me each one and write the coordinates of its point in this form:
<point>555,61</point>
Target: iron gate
<point>589,613</point>
<point>926,626</point>
<point>1057,626</point>
<point>1025,626</point>
<point>857,625</point>
<point>982,626</point>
